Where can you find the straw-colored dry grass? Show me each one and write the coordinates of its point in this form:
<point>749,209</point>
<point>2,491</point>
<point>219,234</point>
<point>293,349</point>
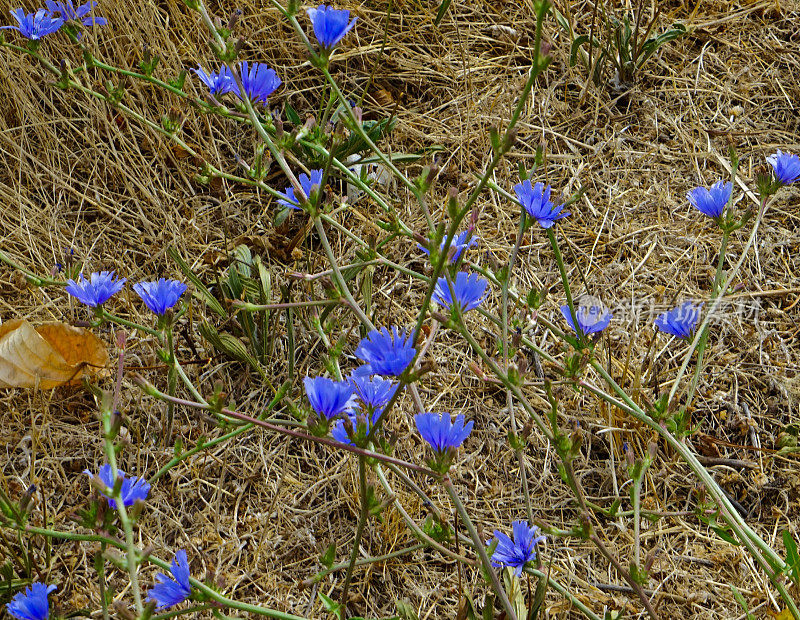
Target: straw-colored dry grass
<point>255,515</point>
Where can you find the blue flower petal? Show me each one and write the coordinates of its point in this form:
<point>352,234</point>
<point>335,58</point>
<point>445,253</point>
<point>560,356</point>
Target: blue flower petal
<point>330,25</point>
<point>169,592</point>
<point>32,604</point>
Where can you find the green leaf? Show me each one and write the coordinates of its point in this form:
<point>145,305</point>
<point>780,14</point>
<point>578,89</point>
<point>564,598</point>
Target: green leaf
<point>202,291</point>
<point>330,554</point>
<point>575,47</point>
<point>331,605</point>
<point>281,216</point>
<point>405,610</point>
<point>792,557</point>
<point>442,10</point>
<point>724,535</point>
<point>292,115</point>
<point>651,45</point>
<point>740,599</point>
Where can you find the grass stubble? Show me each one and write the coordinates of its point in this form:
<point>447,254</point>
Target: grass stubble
<point>256,514</point>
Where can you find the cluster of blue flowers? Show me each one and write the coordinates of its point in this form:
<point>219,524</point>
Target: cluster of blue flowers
<point>159,295</point>
<point>33,604</point>
<point>36,25</point>
<point>258,81</point>
<point>593,317</point>
<point>386,354</point>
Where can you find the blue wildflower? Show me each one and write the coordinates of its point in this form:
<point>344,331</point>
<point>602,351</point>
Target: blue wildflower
<point>518,552</point>
<point>68,12</point>
<point>34,25</point>
<point>97,290</point>
<point>160,295</point>
<point>218,83</point>
<point>387,354</point>
<point>327,397</point>
<point>461,242</point>
<point>330,25</point>
<point>308,183</point>
<point>441,432</point>
<point>786,165</point>
<point>375,392</point>
<point>470,291</point>
<point>132,488</point>
<point>259,81</point>
<point>679,321</point>
<point>711,201</point>
<point>169,592</point>
<point>593,317</point>
<point>536,200</point>
<point>31,604</point>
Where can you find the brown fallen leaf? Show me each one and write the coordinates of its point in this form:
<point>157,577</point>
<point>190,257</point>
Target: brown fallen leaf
<point>48,356</point>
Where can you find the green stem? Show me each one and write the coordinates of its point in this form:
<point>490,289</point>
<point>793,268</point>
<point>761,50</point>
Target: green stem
<point>415,529</point>
<point>574,600</point>
<point>219,440</point>
<point>504,344</point>
<point>362,521</point>
<point>540,423</point>
<point>131,553</point>
<point>717,297</point>
<point>150,389</point>
<point>701,345</point>
<point>171,384</point>
<point>363,562</point>
<point>480,547</point>
<point>105,314</point>
<point>196,584</point>
<point>340,281</point>
<point>772,564</point>
<point>562,269</point>
<point>32,277</point>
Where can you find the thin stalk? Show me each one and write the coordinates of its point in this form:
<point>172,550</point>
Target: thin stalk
<point>509,385</point>
<point>637,525</point>
<point>340,281</point>
<point>213,442</point>
<point>248,307</point>
<point>105,314</point>
<point>362,521</point>
<point>363,562</point>
<point>562,269</point>
<point>701,345</point>
<point>635,585</point>
<point>773,565</point>
<point>718,296</point>
<point>504,344</point>
<point>410,523</point>
<point>172,375</point>
<point>131,552</point>
<point>480,547</point>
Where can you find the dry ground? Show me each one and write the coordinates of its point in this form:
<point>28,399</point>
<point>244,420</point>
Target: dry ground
<point>255,515</point>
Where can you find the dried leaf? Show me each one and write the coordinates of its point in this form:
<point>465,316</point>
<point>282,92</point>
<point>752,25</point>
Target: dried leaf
<point>51,355</point>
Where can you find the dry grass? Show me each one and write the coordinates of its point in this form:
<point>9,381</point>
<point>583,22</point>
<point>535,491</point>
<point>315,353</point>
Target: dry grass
<point>255,515</point>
